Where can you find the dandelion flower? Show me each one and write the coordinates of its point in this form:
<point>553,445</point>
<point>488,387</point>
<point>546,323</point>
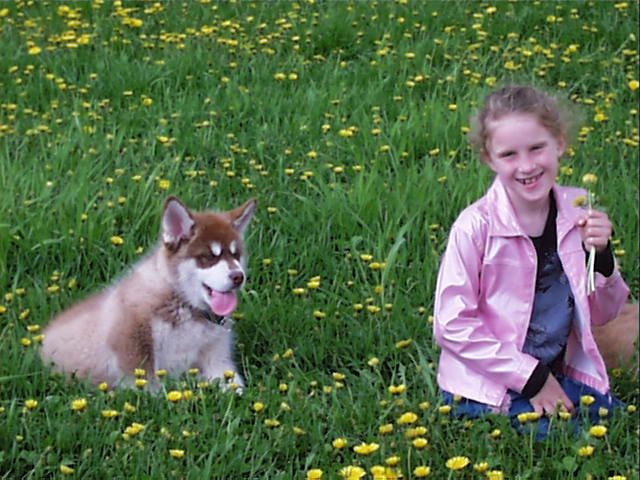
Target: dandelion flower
<point>79,404</point>
<point>580,201</point>
<point>110,413</point>
<point>116,240</point>
<point>352,473</point>
<point>174,396</point>
<point>420,442</point>
<point>314,474</point>
<point>408,417</point>
<point>495,475</point>
<point>175,453</point>
<point>366,448</point>
<point>587,400</point>
<point>481,467</point>
<point>404,343</point>
<point>397,389</point>
<point>386,429</point>
<point>416,432</point>
<point>66,470</point>
<point>633,84</point>
<point>586,451</point>
<point>339,443</point>
<point>31,403</point>
<point>457,463</point>
<point>258,407</point>
<point>589,178</point>
<point>598,431</point>
<point>422,471</point>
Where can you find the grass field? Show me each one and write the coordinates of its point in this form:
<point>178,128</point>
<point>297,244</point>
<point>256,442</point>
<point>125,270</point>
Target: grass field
<point>346,121</point>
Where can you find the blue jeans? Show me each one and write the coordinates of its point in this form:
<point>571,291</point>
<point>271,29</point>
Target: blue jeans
<point>520,404</point>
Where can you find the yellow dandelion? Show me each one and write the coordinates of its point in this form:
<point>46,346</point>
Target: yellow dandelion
<point>352,472</point>
<point>587,400</point>
<point>495,475</point>
<point>35,50</point>
<point>271,423</point>
<point>457,463</point>
<point>110,413</point>
<point>175,453</point>
<point>314,474</point>
<point>580,201</point>
<point>481,467</point>
<point>589,178</point>
<point>598,431</point>
<point>339,443</point>
<point>633,84</point>
<point>416,432</point>
<point>141,382</point>
<point>258,407</point>
<point>31,403</point>
<point>116,240</point>
<point>586,451</point>
<point>366,448</point>
<point>444,409</point>
<point>422,471</point>
<point>104,386</point>
<point>66,470</point>
<point>79,404</point>
<point>174,396</point>
<point>407,418</point>
<point>392,461</point>
<point>404,343</point>
<point>386,429</point>
<point>420,442</point>
<point>397,389</point>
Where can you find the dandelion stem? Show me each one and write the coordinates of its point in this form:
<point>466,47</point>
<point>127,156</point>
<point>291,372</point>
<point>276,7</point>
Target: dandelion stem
<point>591,275</point>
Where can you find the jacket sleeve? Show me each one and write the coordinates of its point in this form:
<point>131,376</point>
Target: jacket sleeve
<point>460,327</point>
<point>611,294</point>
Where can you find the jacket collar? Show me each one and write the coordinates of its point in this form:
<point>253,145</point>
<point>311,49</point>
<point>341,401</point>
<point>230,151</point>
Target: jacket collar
<point>504,222</point>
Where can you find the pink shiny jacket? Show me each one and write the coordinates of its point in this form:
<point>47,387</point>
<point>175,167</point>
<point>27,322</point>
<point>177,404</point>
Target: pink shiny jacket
<point>484,298</point>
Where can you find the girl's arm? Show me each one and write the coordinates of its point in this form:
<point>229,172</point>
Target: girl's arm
<point>460,327</point>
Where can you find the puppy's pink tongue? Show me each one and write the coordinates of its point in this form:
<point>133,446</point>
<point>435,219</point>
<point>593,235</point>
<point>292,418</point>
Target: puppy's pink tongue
<point>223,303</point>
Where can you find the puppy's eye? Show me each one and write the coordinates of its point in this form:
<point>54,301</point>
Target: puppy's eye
<point>206,258</point>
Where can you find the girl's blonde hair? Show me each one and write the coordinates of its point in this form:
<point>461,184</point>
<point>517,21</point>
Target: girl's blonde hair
<point>519,99</point>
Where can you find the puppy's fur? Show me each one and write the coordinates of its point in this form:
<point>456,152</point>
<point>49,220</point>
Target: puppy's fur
<point>170,312</point>
<point>618,339</point>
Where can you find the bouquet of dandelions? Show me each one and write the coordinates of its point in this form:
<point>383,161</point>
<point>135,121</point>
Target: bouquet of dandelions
<point>590,179</point>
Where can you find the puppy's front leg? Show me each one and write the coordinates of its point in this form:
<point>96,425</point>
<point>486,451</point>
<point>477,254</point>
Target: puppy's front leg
<point>216,363</point>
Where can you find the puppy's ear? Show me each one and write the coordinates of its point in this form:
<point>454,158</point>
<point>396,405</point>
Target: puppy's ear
<point>177,224</point>
<point>241,216</point>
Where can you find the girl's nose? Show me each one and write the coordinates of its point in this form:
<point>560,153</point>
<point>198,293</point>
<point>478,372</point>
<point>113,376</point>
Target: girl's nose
<point>526,163</point>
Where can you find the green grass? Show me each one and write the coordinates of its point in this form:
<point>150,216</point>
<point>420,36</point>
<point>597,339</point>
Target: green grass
<point>220,102</point>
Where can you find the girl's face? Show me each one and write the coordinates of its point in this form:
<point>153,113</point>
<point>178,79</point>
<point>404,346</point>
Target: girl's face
<point>524,155</point>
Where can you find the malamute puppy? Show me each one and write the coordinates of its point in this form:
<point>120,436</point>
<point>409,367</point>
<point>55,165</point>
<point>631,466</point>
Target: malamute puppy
<point>171,312</point>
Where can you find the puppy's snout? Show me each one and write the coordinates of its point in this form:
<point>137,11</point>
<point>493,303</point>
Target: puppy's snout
<point>237,277</point>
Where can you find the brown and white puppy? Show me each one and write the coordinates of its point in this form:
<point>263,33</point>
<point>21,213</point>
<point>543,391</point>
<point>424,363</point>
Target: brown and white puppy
<point>170,312</point>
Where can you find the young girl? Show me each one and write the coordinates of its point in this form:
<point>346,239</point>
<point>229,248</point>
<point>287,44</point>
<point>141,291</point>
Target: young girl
<point>512,314</point>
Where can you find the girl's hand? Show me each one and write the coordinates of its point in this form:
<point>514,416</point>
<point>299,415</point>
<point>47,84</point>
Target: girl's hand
<point>550,397</point>
<point>595,229</point>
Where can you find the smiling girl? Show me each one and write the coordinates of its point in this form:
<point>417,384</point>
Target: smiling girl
<point>512,314</point>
